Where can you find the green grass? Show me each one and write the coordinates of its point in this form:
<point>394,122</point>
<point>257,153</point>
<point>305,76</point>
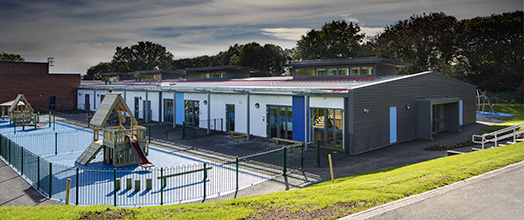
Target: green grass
<point>516,109</point>
<point>347,195</point>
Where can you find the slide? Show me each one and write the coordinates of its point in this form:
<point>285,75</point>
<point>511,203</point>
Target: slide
<point>140,157</point>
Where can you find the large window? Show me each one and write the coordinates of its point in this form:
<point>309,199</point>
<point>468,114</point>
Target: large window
<point>343,71</point>
<point>327,126</point>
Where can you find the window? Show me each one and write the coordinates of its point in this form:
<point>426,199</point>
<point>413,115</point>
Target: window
<point>355,71</point>
<point>327,126</point>
<point>367,70</point>
<point>299,72</point>
<point>191,112</point>
<point>332,72</point>
<point>193,75</point>
<point>168,110</point>
<point>310,72</point>
<point>321,72</point>
<point>343,71</point>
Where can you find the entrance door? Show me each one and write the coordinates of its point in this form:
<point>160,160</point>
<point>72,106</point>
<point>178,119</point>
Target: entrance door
<point>192,112</point>
<point>327,127</point>
<point>280,122</point>
<point>86,101</point>
<point>168,110</point>
<point>137,107</point>
<point>147,111</point>
<point>438,118</point>
<point>230,117</point>
<point>52,102</point>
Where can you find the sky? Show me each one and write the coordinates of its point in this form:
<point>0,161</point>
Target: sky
<point>80,34</point>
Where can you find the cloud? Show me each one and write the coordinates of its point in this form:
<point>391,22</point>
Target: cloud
<point>293,34</point>
<point>79,33</point>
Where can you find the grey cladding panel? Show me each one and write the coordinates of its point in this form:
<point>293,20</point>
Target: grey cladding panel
<point>371,130</point>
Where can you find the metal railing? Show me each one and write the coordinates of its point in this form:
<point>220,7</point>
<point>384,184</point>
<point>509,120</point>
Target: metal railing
<point>157,186</point>
<point>496,136</point>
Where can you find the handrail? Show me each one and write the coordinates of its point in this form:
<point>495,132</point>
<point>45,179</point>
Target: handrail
<point>495,136</point>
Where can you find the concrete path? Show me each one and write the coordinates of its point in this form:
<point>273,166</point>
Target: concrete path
<point>498,194</point>
<point>15,191</point>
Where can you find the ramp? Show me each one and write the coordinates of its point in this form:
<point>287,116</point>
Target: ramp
<point>90,153</point>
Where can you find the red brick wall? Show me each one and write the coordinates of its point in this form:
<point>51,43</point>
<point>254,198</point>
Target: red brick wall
<point>63,86</point>
<point>23,67</point>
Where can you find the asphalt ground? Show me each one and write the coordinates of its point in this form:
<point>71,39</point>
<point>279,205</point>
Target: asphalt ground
<point>494,195</point>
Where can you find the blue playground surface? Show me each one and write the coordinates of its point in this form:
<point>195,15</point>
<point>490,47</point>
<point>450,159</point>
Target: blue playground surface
<point>481,114</point>
<point>189,179</point>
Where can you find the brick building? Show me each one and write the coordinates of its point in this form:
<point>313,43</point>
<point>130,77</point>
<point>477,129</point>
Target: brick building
<point>42,89</point>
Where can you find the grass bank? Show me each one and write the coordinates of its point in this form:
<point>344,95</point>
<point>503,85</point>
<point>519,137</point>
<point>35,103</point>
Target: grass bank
<point>326,200</point>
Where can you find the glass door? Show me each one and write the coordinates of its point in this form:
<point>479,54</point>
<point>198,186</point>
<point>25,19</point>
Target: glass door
<point>230,117</point>
<point>168,110</point>
<point>280,122</point>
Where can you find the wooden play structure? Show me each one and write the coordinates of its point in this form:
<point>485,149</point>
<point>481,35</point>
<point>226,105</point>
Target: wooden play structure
<point>122,146</point>
<point>21,113</point>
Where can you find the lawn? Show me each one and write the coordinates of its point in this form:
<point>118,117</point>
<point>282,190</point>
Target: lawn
<point>325,200</point>
<point>516,109</point>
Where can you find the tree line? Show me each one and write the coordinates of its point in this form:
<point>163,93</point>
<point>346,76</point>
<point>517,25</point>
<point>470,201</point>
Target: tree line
<point>484,51</point>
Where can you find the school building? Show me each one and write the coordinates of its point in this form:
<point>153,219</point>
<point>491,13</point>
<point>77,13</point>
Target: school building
<point>351,105</point>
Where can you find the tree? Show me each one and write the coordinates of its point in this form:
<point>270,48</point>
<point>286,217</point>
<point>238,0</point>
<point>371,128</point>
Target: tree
<point>95,72</point>
<point>142,56</point>
<point>424,41</point>
<point>334,41</point>
<point>11,57</point>
<point>491,51</point>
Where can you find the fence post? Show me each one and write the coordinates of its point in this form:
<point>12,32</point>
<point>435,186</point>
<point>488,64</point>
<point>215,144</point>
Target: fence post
<point>76,197</point>
<point>50,180</point>
<point>22,160</point>
<point>54,122</point>
<point>114,187</point>
<point>14,125</point>
<point>236,165</point>
<point>184,130</point>
<point>68,188</point>
<point>302,157</point>
<point>204,181</point>
<point>56,143</point>
<point>215,125</point>
<point>38,172</point>
<point>318,153</point>
<point>149,132</point>
<point>162,180</point>
<point>284,153</point>
<point>167,130</point>
<point>222,124</point>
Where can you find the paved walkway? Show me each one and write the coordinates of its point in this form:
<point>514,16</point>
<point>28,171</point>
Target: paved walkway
<point>15,191</point>
<point>494,195</point>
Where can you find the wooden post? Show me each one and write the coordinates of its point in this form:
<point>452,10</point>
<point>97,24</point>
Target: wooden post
<point>68,187</point>
<point>331,169</point>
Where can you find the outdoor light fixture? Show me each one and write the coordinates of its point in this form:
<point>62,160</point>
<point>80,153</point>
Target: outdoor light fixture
<point>205,102</point>
<point>366,110</point>
<point>257,105</point>
<point>408,106</point>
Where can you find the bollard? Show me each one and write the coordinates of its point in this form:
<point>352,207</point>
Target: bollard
<point>137,185</point>
<point>117,184</point>
<point>331,169</point>
<point>149,183</point>
<point>68,188</point>
<point>129,183</point>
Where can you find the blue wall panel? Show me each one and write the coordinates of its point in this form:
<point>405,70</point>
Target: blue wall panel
<point>299,124</point>
<point>179,108</point>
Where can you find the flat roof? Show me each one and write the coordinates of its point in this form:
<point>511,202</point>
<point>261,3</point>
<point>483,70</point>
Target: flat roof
<point>350,61</point>
<point>276,85</point>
